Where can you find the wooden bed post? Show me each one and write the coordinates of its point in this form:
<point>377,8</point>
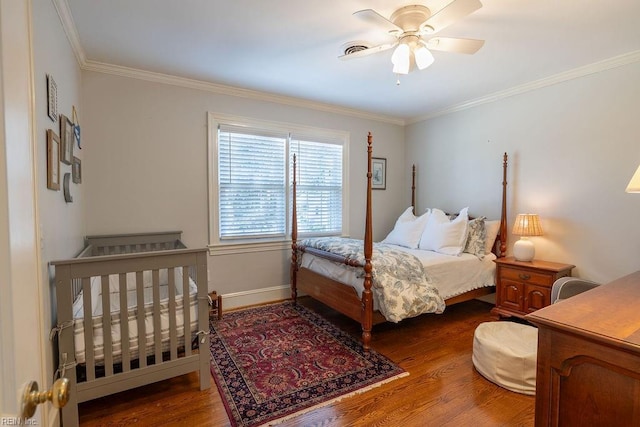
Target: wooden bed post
<point>413,188</point>
<point>367,297</point>
<point>294,238</point>
<point>503,217</point>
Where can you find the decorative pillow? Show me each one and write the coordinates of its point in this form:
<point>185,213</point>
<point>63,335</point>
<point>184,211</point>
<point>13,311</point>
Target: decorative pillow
<point>476,237</point>
<point>445,236</point>
<point>492,228</point>
<point>408,229</point>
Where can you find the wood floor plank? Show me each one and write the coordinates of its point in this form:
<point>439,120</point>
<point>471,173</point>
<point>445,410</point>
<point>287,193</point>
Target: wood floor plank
<point>443,388</point>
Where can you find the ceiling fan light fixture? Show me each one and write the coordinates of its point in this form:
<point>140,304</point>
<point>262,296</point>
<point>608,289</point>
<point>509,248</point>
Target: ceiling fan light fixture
<point>400,54</point>
<point>401,68</point>
<point>401,59</point>
<point>423,57</point>
<point>412,27</point>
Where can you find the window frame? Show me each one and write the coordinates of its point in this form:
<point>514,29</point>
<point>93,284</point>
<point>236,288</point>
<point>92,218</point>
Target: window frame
<point>226,246</point>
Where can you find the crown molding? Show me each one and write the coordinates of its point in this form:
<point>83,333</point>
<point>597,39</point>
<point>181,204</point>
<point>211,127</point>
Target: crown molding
<point>68,24</point>
<point>70,29</point>
<point>232,91</point>
<point>596,67</point>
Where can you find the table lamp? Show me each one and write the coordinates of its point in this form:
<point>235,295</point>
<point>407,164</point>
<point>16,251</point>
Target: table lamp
<point>526,225</point>
<point>634,184</point>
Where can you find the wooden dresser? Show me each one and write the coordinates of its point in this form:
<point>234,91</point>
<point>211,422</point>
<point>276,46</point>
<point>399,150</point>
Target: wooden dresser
<point>588,371</point>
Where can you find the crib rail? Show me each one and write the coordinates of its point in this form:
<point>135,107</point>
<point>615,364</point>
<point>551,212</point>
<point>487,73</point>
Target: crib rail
<point>116,244</point>
<point>103,377</point>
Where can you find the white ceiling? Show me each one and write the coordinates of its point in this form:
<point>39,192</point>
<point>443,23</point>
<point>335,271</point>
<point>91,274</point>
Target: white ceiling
<point>290,48</point>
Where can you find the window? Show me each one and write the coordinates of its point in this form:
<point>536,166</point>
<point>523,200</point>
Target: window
<point>251,165</point>
<point>251,183</point>
<point>319,187</point>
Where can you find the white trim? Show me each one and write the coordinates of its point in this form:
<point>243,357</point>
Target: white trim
<point>150,76</point>
<point>22,357</point>
<point>70,29</point>
<point>576,73</point>
<point>66,18</point>
<point>255,297</point>
<point>246,248</point>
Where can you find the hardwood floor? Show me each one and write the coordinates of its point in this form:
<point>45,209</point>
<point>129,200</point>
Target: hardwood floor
<point>442,389</point>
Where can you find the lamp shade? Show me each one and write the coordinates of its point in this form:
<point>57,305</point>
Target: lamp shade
<point>634,184</point>
<point>401,59</point>
<point>527,225</point>
<point>423,57</point>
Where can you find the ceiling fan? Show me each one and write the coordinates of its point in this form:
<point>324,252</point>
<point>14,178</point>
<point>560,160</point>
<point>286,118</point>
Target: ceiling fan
<point>412,26</point>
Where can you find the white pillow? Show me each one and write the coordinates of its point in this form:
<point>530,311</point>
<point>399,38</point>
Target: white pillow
<point>408,229</point>
<point>444,236</point>
<point>492,228</point>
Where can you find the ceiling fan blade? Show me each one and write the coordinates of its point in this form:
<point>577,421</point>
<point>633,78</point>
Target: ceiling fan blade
<point>369,51</point>
<point>454,11</point>
<point>371,16</point>
<point>450,44</point>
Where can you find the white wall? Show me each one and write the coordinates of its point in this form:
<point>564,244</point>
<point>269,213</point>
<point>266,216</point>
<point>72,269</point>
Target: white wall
<point>62,225</point>
<point>146,167</point>
<point>573,148</point>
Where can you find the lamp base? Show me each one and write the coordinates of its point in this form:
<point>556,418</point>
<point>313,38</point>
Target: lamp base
<point>524,250</point>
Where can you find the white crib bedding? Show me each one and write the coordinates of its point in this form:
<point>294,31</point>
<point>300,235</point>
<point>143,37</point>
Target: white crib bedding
<point>451,275</point>
<point>132,310</point>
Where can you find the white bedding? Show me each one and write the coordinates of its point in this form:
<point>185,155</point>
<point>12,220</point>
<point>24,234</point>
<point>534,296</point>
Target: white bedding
<point>451,275</point>
<point>132,308</point>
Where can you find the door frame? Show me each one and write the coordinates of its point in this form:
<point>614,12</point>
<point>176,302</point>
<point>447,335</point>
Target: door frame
<point>22,336</point>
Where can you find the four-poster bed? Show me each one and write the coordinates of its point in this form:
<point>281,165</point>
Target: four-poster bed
<point>358,304</point>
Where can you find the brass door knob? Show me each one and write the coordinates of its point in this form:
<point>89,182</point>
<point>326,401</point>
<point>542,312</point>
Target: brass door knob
<point>31,398</point>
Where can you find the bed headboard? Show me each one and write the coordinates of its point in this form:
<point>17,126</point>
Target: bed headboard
<point>500,245</point>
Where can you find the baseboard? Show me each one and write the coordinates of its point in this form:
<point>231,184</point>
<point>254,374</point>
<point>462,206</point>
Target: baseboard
<point>255,297</point>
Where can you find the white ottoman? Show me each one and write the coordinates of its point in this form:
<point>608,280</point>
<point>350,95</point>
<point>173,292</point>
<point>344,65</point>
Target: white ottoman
<point>506,353</point>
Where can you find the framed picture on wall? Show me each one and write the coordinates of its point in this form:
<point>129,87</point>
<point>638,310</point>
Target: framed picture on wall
<point>66,140</point>
<point>76,170</point>
<point>52,98</point>
<point>53,160</point>
<point>379,173</point>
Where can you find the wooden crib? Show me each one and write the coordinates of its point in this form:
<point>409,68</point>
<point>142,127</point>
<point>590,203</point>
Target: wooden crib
<point>133,288</point>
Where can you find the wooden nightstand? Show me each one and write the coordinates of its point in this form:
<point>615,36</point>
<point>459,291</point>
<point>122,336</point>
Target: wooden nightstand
<point>524,287</point>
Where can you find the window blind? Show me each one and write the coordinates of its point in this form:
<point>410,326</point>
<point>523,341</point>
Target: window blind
<point>252,183</point>
<point>254,168</point>
<point>319,186</point>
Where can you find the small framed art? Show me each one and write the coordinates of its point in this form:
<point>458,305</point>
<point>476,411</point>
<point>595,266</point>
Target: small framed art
<point>76,170</point>
<point>52,98</point>
<point>66,140</point>
<point>379,171</point>
<point>76,125</point>
<point>53,160</point>
<point>66,189</point>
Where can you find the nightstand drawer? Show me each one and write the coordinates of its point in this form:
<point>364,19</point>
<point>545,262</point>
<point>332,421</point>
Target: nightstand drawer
<point>527,276</point>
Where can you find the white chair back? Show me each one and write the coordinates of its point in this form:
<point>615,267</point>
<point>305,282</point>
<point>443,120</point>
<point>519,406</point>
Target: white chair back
<point>567,287</point>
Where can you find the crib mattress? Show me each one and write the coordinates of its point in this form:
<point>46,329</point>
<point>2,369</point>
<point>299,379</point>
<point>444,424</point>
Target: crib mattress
<point>132,316</point>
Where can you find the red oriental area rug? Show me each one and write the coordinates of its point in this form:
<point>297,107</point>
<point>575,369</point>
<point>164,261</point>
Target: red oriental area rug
<point>274,362</point>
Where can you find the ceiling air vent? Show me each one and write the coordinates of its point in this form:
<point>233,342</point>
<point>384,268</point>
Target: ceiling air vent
<point>354,46</point>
